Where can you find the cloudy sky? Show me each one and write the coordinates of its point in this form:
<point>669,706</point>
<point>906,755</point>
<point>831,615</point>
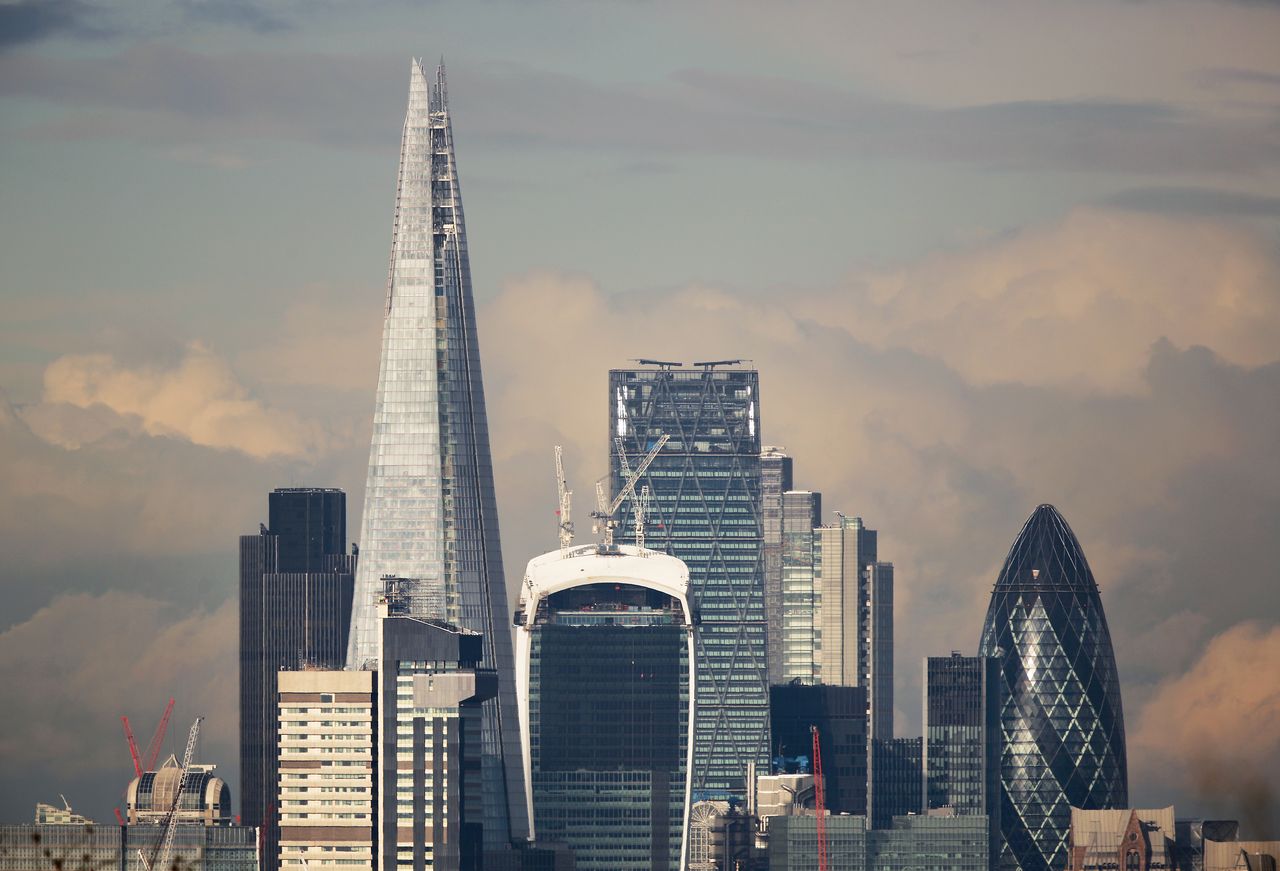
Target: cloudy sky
<point>985,255</point>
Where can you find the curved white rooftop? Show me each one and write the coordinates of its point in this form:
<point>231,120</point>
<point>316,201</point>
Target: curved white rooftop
<point>552,572</point>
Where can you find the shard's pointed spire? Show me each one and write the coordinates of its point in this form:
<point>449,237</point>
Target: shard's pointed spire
<point>430,515</point>
<point>441,93</point>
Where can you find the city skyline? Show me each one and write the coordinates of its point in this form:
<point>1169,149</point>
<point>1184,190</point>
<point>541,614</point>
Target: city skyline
<point>1110,350</point>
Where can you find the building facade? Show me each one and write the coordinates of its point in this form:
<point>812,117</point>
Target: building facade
<point>327,758</point>
<point>1062,725</point>
<point>42,847</point>
<point>296,584</point>
<point>775,479</point>
<point>801,639</point>
<point>910,843</point>
<point>604,653</point>
<point>962,737</point>
<point>876,647</point>
<point>430,514</point>
<point>1129,839</point>
<point>705,510</point>
<point>840,713</point>
<point>894,767</point>
<point>381,767</point>
<point>842,552</point>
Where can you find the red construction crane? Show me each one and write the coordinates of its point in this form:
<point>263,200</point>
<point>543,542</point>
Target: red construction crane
<point>819,793</point>
<point>153,749</point>
<point>133,747</point>
<point>148,762</point>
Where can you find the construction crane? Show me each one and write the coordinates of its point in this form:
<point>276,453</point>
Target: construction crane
<point>820,798</point>
<point>147,763</point>
<point>604,513</point>
<point>160,856</point>
<point>564,511</point>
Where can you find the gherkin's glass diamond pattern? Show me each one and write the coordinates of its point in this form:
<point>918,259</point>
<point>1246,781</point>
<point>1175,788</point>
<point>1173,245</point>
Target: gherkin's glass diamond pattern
<point>1061,718</point>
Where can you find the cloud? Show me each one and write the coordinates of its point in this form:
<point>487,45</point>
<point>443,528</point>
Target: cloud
<point>26,21</point>
<point>1197,201</point>
<point>1217,721</point>
<point>69,672</point>
<point>158,93</point>
<point>200,399</point>
<point>1076,303</point>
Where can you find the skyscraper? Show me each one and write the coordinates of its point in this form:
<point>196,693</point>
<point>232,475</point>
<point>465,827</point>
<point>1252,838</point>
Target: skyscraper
<point>962,737</point>
<point>296,584</point>
<point>801,603</point>
<point>604,654</point>
<point>842,552</point>
<point>875,658</point>
<point>430,517</point>
<point>1061,719</point>
<point>775,479</point>
<point>705,510</point>
<point>840,713</point>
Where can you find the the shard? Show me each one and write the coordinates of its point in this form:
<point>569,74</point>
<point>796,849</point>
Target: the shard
<point>430,516</point>
<point>1062,726</point>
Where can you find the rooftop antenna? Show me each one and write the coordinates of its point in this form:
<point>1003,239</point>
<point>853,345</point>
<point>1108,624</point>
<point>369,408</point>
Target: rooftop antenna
<point>604,513</point>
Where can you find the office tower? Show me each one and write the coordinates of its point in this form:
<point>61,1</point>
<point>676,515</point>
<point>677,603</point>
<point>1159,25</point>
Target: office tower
<point>296,583</point>
<point>430,516</point>
<point>604,665</point>
<point>855,617</point>
<point>801,514</point>
<point>840,713</point>
<point>962,737</point>
<point>381,766</point>
<point>894,774</point>
<point>705,510</point>
<point>877,647</point>
<point>775,479</point>
<point>1061,720</point>
<point>327,788</point>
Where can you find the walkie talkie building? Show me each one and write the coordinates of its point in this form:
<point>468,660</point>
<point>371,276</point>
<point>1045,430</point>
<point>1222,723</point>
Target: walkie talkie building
<point>1062,727</point>
<point>430,517</point>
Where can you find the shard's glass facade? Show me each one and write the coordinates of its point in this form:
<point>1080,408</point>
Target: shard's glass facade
<point>430,516</point>
<point>705,510</point>
<point>1061,721</point>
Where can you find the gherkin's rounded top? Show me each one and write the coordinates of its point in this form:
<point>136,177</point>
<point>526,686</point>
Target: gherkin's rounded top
<point>1046,555</point>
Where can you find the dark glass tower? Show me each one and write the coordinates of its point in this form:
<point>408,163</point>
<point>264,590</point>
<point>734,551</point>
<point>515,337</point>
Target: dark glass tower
<point>840,713</point>
<point>962,737</point>
<point>296,584</point>
<point>1061,719</point>
<point>604,653</point>
<point>430,513</point>
<point>705,510</point>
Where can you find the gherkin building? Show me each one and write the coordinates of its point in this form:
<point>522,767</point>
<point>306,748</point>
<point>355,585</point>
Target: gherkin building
<point>1061,719</point>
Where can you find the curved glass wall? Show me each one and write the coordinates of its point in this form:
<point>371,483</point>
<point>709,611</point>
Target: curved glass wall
<point>1061,720</point>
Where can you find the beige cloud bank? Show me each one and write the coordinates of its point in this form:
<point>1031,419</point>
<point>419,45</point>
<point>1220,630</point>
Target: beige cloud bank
<point>199,399</point>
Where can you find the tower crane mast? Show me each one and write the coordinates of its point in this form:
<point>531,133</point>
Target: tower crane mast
<point>603,512</point>
<point>564,511</point>
<point>819,792</point>
<point>160,856</point>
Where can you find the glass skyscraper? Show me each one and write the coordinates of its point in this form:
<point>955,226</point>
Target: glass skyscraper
<point>801,639</point>
<point>604,654</point>
<point>1063,740</point>
<point>296,585</point>
<point>430,517</point>
<point>775,479</point>
<point>705,510</point>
